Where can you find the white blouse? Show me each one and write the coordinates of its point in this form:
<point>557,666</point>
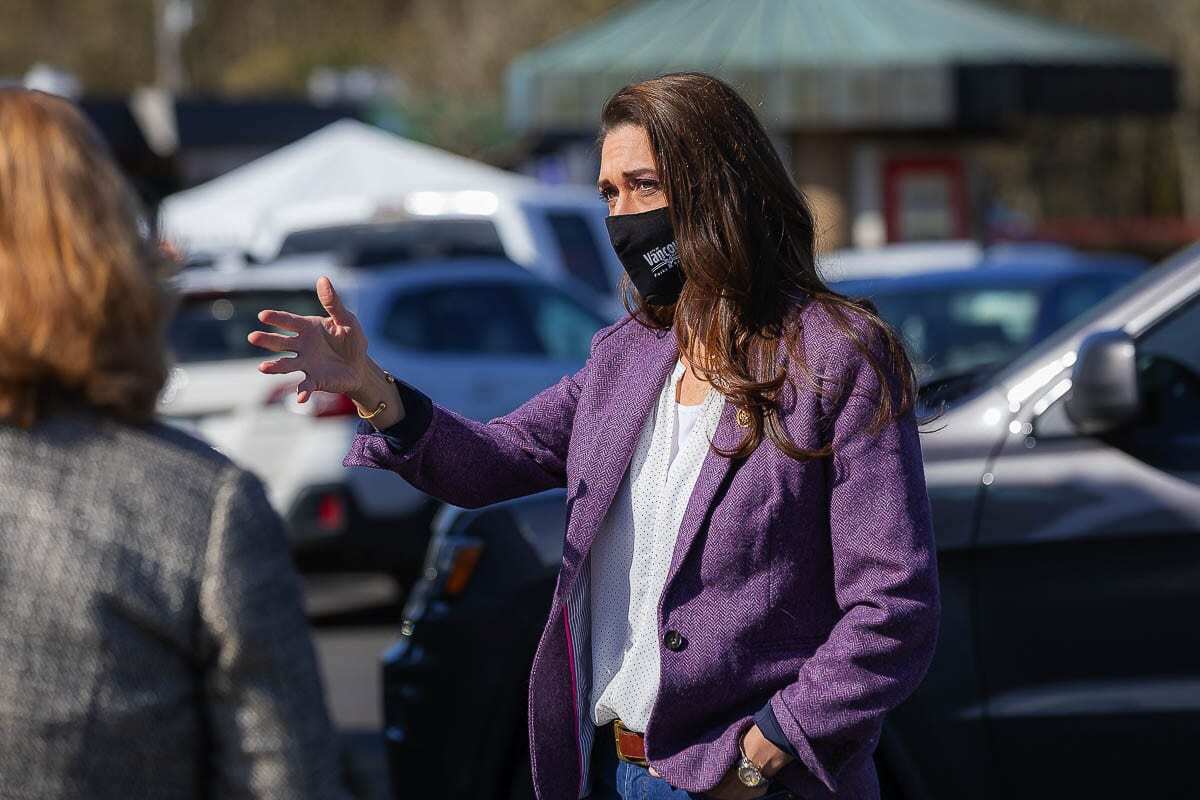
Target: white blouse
<point>632,554</point>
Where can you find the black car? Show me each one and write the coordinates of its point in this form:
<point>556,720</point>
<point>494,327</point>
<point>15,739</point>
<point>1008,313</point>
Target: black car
<point>1065,489</point>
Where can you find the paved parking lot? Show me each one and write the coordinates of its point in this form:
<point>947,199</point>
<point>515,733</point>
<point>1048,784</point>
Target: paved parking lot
<point>355,617</point>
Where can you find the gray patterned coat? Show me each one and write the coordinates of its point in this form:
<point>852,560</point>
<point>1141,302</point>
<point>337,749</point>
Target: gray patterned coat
<point>152,638</point>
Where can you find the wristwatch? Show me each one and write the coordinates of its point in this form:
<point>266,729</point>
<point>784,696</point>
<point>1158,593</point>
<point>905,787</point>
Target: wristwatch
<point>748,772</point>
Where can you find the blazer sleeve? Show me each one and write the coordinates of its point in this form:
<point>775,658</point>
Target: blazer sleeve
<point>270,733</point>
<point>884,577</point>
<point>473,464</point>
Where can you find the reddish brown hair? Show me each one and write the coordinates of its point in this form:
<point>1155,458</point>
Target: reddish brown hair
<point>746,243</point>
<point>81,309</point>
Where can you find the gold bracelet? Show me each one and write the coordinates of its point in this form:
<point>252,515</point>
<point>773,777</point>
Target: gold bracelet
<point>378,410</point>
<point>382,403</point>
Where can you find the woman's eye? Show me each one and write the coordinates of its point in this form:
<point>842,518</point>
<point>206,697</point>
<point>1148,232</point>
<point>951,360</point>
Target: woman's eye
<point>606,195</point>
<point>646,187</point>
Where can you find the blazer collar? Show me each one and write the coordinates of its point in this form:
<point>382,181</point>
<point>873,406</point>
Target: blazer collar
<point>648,365</point>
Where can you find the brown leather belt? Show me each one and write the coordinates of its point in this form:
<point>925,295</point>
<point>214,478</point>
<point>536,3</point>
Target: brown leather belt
<point>631,745</point>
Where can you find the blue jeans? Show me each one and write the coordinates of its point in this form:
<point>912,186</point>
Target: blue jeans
<point>613,779</point>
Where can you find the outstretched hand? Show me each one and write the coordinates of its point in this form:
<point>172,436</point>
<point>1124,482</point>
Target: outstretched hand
<point>331,351</point>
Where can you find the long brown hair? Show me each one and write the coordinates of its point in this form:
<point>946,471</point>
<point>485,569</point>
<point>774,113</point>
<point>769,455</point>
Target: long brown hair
<point>746,242</point>
<point>81,308</point>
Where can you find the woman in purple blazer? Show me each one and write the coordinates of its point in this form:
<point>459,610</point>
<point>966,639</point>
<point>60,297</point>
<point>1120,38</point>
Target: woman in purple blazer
<point>749,578</point>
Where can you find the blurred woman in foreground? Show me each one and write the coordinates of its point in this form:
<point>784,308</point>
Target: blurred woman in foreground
<point>152,638</point>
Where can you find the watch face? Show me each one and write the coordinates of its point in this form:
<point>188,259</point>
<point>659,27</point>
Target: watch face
<point>749,775</point>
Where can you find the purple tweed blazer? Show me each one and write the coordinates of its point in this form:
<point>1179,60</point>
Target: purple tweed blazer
<point>811,585</point>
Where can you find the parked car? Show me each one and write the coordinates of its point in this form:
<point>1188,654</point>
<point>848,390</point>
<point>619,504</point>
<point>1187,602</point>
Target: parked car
<point>482,334</point>
<point>555,232</point>
<point>1066,496</point>
<point>916,258</point>
<point>960,323</point>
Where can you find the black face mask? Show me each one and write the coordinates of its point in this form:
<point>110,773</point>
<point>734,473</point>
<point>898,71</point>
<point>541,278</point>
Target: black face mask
<point>645,243</point>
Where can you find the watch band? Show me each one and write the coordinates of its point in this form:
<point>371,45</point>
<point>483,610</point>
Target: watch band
<point>749,773</point>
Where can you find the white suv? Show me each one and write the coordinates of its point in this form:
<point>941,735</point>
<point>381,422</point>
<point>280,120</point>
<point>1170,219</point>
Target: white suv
<point>480,335</point>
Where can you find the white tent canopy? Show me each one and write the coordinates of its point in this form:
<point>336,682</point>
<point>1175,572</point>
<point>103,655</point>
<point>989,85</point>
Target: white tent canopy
<point>342,171</point>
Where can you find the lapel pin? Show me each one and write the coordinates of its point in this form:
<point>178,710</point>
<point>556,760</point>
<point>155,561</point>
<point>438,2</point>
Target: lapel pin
<point>743,417</point>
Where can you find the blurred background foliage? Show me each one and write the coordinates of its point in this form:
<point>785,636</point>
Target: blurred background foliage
<point>447,59</point>
<point>448,55</point>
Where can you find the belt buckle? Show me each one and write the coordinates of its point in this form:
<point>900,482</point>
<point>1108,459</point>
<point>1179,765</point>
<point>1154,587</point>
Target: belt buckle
<point>618,729</point>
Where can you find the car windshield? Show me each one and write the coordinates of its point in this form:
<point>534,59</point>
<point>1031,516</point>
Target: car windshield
<point>960,331</point>
<point>1177,266</point>
<point>212,326</point>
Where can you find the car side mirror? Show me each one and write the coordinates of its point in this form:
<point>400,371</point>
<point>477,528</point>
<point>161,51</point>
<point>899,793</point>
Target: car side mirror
<point>1104,383</point>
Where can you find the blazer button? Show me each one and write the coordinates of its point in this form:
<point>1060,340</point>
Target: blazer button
<point>674,641</point>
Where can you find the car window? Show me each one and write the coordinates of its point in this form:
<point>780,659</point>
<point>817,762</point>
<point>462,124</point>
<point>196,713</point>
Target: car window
<point>388,243</point>
<point>580,253</point>
<point>961,330</point>
<point>1181,263</point>
<point>473,319</point>
<point>1077,296</point>
<point>1168,363</point>
<point>564,327</point>
<point>212,326</point>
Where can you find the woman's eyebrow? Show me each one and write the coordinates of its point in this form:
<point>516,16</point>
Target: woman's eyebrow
<point>630,175</point>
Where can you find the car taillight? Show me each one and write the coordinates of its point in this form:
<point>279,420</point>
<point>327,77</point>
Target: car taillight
<point>320,404</point>
<point>331,512</point>
<point>462,563</point>
<point>449,566</point>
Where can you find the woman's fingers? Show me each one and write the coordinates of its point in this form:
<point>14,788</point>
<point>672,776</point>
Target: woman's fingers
<point>308,350</point>
<point>280,366</point>
<point>331,302</point>
<point>283,319</point>
<point>305,389</point>
<point>275,342</point>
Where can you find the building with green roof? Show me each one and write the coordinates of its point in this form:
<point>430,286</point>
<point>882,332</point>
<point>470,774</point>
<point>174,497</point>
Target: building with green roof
<point>882,107</point>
